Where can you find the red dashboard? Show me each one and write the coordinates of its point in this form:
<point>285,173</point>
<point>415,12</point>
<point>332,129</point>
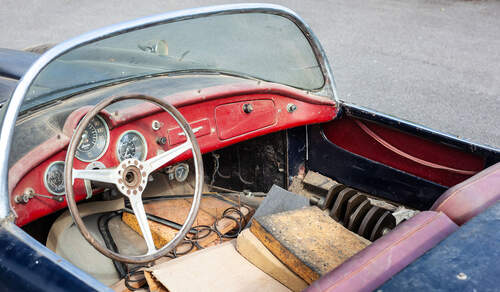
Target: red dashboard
<point>218,120</point>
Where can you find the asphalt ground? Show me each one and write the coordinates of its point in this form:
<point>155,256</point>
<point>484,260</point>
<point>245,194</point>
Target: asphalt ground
<point>436,63</point>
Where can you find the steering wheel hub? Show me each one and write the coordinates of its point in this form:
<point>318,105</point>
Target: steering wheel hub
<point>133,177</point>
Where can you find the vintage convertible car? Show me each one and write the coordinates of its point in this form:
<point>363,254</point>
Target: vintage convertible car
<point>233,103</point>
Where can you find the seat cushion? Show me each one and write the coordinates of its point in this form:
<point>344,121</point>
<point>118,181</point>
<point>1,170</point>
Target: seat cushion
<point>385,257</point>
<point>470,197</point>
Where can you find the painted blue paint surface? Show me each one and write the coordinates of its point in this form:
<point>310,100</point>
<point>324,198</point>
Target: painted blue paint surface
<point>26,265</point>
<point>468,260</point>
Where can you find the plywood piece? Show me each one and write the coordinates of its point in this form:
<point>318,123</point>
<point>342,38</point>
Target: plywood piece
<point>319,181</point>
<point>255,252</point>
<point>307,241</point>
<point>176,210</point>
<point>217,268</point>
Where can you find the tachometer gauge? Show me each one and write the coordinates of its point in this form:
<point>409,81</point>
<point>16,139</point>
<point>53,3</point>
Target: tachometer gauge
<point>54,178</point>
<point>94,141</point>
<point>131,144</point>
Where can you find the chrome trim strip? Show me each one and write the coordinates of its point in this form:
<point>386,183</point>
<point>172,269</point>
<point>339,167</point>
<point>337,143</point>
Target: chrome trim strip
<point>12,107</point>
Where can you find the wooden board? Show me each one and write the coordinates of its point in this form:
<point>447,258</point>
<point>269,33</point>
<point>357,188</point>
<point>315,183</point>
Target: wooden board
<point>153,284</point>
<point>307,241</point>
<point>217,268</point>
<point>255,252</point>
<point>176,210</point>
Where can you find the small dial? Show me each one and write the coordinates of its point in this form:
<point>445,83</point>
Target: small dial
<point>94,141</point>
<point>131,144</point>
<point>181,172</point>
<point>54,178</point>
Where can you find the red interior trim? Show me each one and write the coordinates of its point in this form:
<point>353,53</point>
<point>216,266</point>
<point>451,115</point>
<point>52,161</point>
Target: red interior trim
<point>424,158</point>
<point>28,172</point>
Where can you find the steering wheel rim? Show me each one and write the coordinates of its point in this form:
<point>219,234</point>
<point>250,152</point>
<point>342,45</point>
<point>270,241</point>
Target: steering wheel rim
<point>141,169</point>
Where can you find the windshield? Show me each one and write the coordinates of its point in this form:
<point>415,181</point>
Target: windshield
<point>252,45</point>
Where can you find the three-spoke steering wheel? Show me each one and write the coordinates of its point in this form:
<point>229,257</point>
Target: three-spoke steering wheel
<point>131,177</point>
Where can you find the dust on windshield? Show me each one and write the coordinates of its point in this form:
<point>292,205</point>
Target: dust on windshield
<point>252,45</point>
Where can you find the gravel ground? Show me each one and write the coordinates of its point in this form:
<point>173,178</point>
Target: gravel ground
<point>436,63</point>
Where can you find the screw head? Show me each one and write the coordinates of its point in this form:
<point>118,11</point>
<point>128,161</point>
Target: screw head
<point>155,125</point>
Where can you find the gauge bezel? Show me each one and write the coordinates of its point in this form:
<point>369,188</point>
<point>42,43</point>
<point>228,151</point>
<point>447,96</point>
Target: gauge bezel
<point>105,147</point>
<point>140,136</point>
<point>45,179</point>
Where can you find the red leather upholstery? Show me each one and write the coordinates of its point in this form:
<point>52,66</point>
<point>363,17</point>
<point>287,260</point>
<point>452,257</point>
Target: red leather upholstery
<point>470,197</point>
<point>388,255</point>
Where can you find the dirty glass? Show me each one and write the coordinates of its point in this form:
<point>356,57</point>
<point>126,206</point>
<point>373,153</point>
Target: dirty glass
<point>252,45</point>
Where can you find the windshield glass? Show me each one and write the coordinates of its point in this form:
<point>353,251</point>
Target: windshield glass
<point>252,45</point>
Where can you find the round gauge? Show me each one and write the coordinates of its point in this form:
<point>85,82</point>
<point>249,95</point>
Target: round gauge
<point>94,141</point>
<point>181,172</point>
<point>54,178</point>
<point>131,144</point>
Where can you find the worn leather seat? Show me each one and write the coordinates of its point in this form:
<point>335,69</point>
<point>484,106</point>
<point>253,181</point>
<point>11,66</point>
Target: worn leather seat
<point>381,260</point>
<point>470,197</point>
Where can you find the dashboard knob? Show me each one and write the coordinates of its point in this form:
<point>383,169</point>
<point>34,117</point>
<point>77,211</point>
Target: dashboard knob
<point>161,140</point>
<point>247,108</point>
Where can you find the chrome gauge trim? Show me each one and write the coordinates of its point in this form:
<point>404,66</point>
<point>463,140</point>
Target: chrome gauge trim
<point>105,146</point>
<point>45,178</point>
<point>144,142</point>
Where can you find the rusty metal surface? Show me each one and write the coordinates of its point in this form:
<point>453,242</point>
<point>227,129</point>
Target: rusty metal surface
<point>352,204</point>
<point>371,218</point>
<point>385,222</point>
<point>338,209</point>
<point>358,215</point>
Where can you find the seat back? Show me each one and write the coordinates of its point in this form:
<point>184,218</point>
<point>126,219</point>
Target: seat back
<point>470,197</point>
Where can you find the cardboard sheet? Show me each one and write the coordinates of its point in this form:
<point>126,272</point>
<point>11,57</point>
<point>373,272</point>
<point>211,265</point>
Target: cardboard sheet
<point>217,268</point>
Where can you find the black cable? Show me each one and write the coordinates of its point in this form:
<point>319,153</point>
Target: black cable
<point>135,271</point>
<point>102,223</point>
<point>123,270</point>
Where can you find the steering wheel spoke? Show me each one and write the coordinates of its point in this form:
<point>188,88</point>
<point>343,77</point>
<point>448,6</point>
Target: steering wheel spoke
<point>140,215</point>
<point>106,175</point>
<point>158,161</point>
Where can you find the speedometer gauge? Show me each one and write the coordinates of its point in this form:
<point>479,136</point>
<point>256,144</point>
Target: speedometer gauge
<point>94,141</point>
<point>131,144</point>
<point>54,178</point>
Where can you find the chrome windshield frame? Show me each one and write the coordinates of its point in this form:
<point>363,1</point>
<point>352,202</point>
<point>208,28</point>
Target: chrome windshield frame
<point>12,107</point>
